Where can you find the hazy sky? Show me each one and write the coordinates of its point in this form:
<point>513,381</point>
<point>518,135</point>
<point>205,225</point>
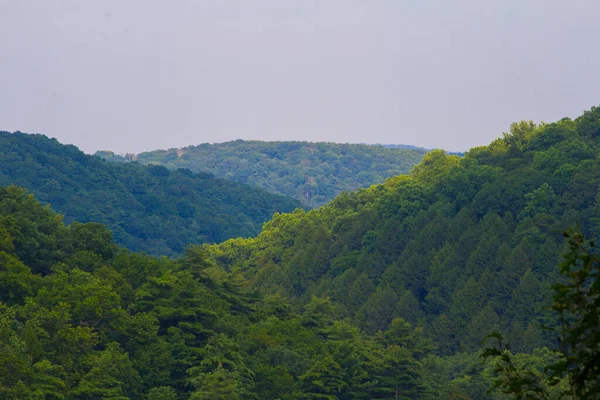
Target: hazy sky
<point>137,75</point>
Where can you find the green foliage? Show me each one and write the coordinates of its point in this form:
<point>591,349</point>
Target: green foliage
<point>575,368</point>
<point>162,393</point>
<point>578,304</point>
<point>112,375</point>
<point>313,173</point>
<point>81,318</point>
<point>382,293</point>
<point>148,208</point>
<point>218,384</point>
<point>459,247</point>
<point>517,376</point>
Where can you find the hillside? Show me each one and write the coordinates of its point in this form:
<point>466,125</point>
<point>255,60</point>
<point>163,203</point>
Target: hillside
<point>149,208</point>
<point>82,319</point>
<point>462,246</point>
<point>385,293</point>
<point>416,148</point>
<point>313,173</point>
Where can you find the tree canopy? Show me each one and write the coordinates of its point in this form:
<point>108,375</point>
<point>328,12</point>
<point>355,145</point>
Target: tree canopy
<point>81,318</point>
<point>313,173</point>
<point>384,293</point>
<point>148,208</point>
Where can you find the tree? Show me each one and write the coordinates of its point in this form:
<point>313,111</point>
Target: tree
<point>47,380</point>
<point>538,202</point>
<point>324,380</point>
<point>486,320</point>
<point>398,375</point>
<point>577,303</point>
<point>379,310</point>
<point>409,307</point>
<point>218,384</point>
<point>162,393</point>
<point>112,376</point>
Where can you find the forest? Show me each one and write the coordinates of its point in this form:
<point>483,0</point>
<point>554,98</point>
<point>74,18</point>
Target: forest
<point>81,318</point>
<point>313,173</point>
<point>148,208</point>
<point>460,246</point>
<point>387,292</point>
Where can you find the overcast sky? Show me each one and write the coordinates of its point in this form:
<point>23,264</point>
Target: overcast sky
<point>136,75</point>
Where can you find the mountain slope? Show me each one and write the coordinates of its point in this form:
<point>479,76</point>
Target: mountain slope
<point>461,246</point>
<point>82,319</point>
<point>149,208</point>
<point>311,172</point>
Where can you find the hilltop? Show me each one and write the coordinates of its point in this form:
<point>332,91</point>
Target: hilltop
<point>386,292</point>
<point>313,173</point>
<point>149,208</point>
<point>461,246</point>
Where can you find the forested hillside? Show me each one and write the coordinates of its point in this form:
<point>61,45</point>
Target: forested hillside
<point>462,246</point>
<point>82,319</point>
<point>149,208</point>
<point>311,172</point>
<point>385,293</point>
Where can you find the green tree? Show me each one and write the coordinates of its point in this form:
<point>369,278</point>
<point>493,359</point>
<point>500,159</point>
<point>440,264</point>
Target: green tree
<point>162,393</point>
<point>379,310</point>
<point>486,320</point>
<point>577,302</point>
<point>398,375</point>
<point>112,376</point>
<point>324,380</point>
<point>218,384</point>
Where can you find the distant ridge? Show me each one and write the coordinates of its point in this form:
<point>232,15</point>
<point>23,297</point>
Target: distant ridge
<point>149,208</point>
<point>461,246</point>
<point>411,147</point>
<point>312,172</point>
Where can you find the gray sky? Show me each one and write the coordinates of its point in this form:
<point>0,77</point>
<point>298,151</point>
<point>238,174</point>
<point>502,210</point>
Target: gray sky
<point>135,75</point>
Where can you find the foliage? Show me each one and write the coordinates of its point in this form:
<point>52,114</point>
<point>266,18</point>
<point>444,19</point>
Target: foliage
<point>382,293</point>
<point>81,318</point>
<point>460,246</point>
<point>578,304</point>
<point>148,209</point>
<point>313,173</point>
<point>577,364</point>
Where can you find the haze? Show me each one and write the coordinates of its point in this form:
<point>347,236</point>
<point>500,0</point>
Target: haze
<point>131,76</point>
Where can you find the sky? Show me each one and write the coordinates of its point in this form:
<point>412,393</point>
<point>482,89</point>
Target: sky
<point>138,75</point>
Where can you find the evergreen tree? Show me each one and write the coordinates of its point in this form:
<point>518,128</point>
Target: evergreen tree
<point>324,380</point>
<point>112,376</point>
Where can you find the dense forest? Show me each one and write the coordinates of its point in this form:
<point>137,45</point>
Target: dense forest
<point>81,318</point>
<point>416,148</point>
<point>148,208</point>
<point>313,173</point>
<point>461,245</point>
<point>384,293</point>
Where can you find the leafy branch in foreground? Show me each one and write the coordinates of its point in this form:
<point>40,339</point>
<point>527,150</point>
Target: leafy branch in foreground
<point>577,303</point>
<point>514,379</point>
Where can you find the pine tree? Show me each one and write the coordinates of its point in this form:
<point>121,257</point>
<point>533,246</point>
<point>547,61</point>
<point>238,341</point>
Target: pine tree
<point>398,375</point>
<point>112,376</point>
<point>379,310</point>
<point>409,308</point>
<point>481,324</point>
<point>324,380</point>
<point>218,384</point>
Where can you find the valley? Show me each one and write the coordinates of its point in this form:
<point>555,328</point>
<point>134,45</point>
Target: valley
<point>313,173</point>
<point>148,208</point>
<point>384,292</point>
